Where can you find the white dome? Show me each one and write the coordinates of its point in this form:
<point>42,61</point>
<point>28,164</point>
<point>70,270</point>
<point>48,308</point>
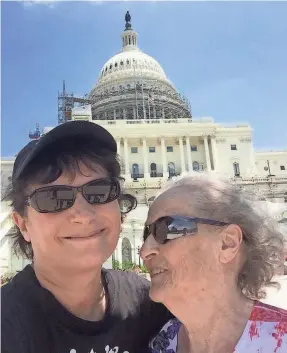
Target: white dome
<point>130,77</point>
<point>131,63</point>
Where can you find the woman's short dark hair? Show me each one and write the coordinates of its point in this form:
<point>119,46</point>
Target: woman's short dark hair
<point>65,156</point>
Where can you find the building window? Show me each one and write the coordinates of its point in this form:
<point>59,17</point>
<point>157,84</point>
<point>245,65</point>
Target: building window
<point>153,170</point>
<point>233,147</point>
<point>282,167</point>
<point>236,169</point>
<point>134,150</point>
<point>171,169</point>
<point>169,149</point>
<point>135,169</point>
<point>195,166</point>
<point>193,148</point>
<point>151,149</point>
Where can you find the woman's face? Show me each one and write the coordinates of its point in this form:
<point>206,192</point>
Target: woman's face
<point>188,266</point>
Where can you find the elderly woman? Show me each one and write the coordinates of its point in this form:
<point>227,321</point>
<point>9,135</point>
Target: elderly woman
<point>211,254</point>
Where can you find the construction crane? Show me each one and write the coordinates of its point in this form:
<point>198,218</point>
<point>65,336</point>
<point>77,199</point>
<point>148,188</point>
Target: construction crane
<point>36,134</point>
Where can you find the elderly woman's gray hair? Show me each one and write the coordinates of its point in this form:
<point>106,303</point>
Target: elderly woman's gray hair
<point>221,200</point>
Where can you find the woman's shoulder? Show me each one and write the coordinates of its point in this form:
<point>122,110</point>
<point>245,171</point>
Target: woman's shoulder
<point>268,313</point>
<point>266,330</point>
<point>166,340</point>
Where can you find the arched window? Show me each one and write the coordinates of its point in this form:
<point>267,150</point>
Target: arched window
<point>135,169</point>
<point>195,166</point>
<point>171,169</point>
<point>153,170</point>
<point>236,169</point>
<point>153,166</point>
<point>126,250</point>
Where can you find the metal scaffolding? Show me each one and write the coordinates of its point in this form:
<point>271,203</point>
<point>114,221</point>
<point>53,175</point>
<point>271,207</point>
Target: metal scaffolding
<point>139,99</point>
<point>66,102</point>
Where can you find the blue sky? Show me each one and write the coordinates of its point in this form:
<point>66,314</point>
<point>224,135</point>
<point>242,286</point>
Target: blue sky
<point>229,59</point>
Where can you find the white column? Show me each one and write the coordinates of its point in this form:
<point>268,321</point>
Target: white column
<point>182,161</point>
<point>207,155</point>
<point>214,153</point>
<point>124,113</point>
<point>253,169</point>
<point>188,153</point>
<point>119,146</point>
<point>145,158</point>
<point>106,115</point>
<point>154,112</point>
<point>163,158</point>
<point>126,151</point>
<point>115,114</point>
<point>163,114</point>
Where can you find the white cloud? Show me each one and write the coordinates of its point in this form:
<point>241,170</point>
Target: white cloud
<point>52,3</point>
<point>30,3</point>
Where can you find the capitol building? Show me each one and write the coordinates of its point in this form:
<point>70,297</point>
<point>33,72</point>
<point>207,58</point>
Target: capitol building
<point>159,139</point>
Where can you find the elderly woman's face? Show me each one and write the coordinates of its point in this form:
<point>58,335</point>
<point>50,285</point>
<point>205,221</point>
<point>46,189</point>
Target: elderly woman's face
<point>187,265</point>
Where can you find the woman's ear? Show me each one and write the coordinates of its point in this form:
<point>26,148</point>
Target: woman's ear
<point>231,239</point>
<point>21,224</point>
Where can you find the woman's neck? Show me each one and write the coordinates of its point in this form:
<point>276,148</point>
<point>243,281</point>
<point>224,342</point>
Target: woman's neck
<point>82,294</point>
<point>213,324</point>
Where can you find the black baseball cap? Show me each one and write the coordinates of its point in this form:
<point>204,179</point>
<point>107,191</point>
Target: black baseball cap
<point>71,129</point>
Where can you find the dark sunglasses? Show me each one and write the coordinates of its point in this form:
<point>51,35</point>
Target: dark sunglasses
<point>57,198</point>
<point>173,227</point>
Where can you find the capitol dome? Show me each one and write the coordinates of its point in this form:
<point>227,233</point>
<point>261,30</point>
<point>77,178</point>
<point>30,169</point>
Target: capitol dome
<point>133,85</point>
<point>125,64</point>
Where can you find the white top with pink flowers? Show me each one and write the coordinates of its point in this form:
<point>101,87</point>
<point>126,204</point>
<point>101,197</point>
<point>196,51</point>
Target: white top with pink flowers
<point>265,332</point>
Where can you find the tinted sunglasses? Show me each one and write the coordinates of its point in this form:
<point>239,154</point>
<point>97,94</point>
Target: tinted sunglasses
<point>57,198</point>
<point>168,228</point>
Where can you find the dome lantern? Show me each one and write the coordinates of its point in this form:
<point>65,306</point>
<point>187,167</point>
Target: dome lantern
<point>129,36</point>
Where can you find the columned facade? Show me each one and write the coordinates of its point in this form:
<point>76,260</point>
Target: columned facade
<point>157,154</point>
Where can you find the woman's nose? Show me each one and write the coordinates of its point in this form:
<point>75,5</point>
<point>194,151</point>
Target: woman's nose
<point>149,249</point>
<point>82,211</point>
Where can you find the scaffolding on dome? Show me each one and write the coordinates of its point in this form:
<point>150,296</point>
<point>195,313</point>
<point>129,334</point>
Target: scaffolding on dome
<point>66,102</point>
<point>139,102</point>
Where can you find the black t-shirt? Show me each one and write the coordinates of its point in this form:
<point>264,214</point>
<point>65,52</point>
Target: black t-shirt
<point>33,321</point>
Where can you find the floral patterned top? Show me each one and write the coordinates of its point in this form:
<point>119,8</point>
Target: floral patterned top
<point>265,332</point>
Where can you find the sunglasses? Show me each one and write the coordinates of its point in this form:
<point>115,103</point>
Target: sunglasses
<point>57,198</point>
<point>168,228</point>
